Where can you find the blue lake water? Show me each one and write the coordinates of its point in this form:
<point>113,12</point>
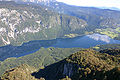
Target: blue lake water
<point>85,41</point>
<point>33,46</point>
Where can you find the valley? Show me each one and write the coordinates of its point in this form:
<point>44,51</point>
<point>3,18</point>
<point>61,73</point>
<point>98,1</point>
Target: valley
<point>51,40</point>
<point>26,22</point>
<point>52,64</point>
<point>86,41</point>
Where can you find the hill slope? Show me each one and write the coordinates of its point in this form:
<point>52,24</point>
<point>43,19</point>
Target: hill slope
<point>39,59</point>
<point>85,64</point>
<point>25,22</point>
<point>104,21</point>
<point>22,72</point>
<point>21,23</point>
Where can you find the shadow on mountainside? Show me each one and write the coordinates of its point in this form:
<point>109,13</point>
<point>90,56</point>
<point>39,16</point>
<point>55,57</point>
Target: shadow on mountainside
<point>51,72</point>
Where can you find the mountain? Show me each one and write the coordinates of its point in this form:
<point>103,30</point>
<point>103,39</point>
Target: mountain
<point>103,21</point>
<point>85,64</point>
<point>112,8</point>
<point>22,23</point>
<point>26,22</point>
<point>33,1</point>
<point>22,72</point>
<point>40,59</point>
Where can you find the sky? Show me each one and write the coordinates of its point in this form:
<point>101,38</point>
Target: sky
<point>93,3</point>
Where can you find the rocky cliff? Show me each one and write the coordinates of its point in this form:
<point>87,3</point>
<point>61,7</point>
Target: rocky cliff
<point>20,23</point>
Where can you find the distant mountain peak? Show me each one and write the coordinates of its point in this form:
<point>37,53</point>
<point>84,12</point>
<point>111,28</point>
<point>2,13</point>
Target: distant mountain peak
<point>38,1</point>
<point>111,8</point>
<point>34,1</point>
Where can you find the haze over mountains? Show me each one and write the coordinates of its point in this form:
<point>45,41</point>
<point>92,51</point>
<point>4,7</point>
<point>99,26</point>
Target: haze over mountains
<point>29,31</point>
<point>23,23</point>
<point>34,1</point>
<point>47,2</point>
<point>112,8</point>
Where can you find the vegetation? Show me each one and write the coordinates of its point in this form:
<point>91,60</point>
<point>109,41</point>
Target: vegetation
<point>22,72</point>
<point>47,24</point>
<point>67,78</point>
<point>97,19</point>
<point>111,51</point>
<point>118,29</point>
<point>24,49</point>
<point>109,32</point>
<point>85,64</point>
<point>53,63</point>
<point>37,24</point>
<point>39,59</point>
<point>71,35</point>
<point>94,65</point>
<point>107,46</point>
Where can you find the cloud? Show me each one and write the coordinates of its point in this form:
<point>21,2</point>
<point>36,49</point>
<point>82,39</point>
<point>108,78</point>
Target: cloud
<point>94,3</point>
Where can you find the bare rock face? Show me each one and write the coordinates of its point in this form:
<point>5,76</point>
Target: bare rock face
<point>23,23</point>
<point>10,22</point>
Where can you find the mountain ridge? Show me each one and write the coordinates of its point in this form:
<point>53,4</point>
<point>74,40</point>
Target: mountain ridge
<point>21,23</point>
<point>85,64</point>
<point>57,19</point>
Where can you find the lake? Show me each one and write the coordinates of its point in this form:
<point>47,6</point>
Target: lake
<point>86,41</point>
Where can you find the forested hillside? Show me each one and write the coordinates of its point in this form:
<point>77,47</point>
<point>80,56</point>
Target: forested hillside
<point>85,64</point>
<point>39,59</point>
<point>21,23</point>
<point>29,29</point>
<point>103,21</point>
<point>26,22</point>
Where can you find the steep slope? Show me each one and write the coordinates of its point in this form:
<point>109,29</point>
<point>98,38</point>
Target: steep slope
<point>39,59</point>
<point>22,72</point>
<point>21,23</point>
<point>85,64</point>
<point>102,17</point>
<point>25,22</point>
<point>102,21</point>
